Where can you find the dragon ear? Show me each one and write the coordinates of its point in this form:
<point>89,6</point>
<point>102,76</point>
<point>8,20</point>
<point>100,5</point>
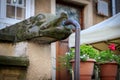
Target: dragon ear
<point>63,13</point>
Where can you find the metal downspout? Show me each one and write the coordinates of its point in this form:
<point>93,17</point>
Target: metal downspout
<point>77,47</point>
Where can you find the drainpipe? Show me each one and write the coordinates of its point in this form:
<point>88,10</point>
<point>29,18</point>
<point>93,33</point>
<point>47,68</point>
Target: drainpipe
<point>113,7</point>
<point>77,47</point>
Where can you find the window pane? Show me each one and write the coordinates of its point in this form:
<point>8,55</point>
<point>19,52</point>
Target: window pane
<point>10,11</point>
<point>16,11</point>
<point>20,13</point>
<point>14,1</point>
<point>20,2</point>
<point>9,1</point>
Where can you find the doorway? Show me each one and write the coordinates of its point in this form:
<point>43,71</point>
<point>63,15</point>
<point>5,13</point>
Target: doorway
<point>74,12</point>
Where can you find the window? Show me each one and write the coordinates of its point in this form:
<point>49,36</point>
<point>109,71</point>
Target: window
<point>117,6</point>
<point>13,11</point>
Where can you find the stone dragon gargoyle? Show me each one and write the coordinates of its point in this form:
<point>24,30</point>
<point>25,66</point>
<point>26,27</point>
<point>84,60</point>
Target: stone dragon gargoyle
<point>43,28</point>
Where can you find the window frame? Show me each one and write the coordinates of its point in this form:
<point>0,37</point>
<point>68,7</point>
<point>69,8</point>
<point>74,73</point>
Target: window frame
<point>16,6</point>
<point>29,11</point>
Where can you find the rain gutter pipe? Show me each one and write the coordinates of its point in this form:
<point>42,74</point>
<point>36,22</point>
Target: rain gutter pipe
<point>77,46</point>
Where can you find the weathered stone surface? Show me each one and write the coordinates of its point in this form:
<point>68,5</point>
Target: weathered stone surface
<point>14,61</point>
<point>13,72</point>
<point>43,28</point>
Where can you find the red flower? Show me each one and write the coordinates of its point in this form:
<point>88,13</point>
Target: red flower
<point>111,47</point>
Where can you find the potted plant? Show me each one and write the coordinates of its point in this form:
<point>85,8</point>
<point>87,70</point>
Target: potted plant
<point>88,54</point>
<point>108,63</point>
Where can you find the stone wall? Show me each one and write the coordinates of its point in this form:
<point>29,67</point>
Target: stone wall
<point>39,61</point>
<point>40,64</point>
<point>42,6</point>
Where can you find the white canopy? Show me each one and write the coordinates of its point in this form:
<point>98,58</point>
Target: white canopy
<point>104,31</point>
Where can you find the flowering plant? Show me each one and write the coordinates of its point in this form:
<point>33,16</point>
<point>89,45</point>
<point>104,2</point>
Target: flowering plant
<point>86,52</point>
<point>112,47</point>
<point>108,55</point>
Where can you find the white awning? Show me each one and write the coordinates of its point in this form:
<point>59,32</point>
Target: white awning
<point>104,31</point>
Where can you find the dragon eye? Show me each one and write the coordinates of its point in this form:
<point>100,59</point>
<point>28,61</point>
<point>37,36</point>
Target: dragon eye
<point>40,17</point>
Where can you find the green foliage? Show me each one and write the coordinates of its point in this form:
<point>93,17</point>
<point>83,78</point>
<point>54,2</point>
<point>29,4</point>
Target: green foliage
<point>86,52</point>
<point>65,60</point>
<point>108,56</point>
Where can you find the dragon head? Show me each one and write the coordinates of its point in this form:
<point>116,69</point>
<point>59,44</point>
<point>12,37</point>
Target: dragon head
<point>42,28</point>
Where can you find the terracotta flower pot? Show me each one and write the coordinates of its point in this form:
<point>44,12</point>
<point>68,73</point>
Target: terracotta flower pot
<point>86,69</point>
<point>108,71</point>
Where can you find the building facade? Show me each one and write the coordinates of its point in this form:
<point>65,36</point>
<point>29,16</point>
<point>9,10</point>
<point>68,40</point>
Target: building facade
<point>43,59</point>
